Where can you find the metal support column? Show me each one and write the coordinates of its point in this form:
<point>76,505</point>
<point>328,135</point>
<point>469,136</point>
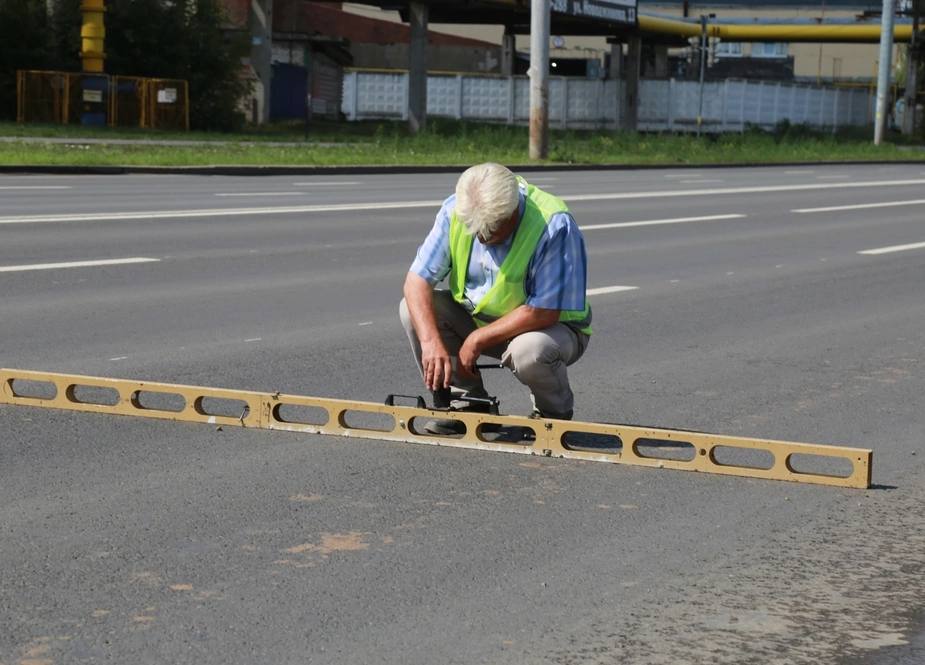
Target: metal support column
<point>631,88</point>
<point>615,73</point>
<point>913,72</point>
<point>261,21</point>
<point>417,68</point>
<point>508,52</point>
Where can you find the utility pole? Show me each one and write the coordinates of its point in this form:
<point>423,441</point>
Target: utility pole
<point>913,72</point>
<point>883,75</point>
<point>417,67</point>
<point>703,66</point>
<point>539,79</point>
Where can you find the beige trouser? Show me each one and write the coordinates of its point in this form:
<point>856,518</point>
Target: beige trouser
<point>538,358</point>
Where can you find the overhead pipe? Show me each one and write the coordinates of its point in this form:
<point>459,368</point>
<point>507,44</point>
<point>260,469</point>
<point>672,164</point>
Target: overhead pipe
<point>864,33</point>
<point>92,35</point>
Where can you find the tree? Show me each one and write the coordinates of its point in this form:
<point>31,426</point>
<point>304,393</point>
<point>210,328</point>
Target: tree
<point>24,44</point>
<point>183,41</point>
<point>214,69</point>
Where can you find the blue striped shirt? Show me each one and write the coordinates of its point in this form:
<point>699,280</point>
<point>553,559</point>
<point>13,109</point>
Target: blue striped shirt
<point>556,275</point>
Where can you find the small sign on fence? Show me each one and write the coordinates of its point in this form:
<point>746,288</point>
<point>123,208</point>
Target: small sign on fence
<point>167,96</point>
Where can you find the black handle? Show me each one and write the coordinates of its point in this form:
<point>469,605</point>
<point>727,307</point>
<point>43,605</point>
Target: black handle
<point>419,401</point>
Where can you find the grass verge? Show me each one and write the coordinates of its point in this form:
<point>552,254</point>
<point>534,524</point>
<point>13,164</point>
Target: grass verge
<point>444,143</point>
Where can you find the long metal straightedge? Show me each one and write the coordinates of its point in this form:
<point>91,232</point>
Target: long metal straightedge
<point>598,442</point>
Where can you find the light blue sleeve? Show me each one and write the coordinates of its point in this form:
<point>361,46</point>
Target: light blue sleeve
<point>558,272</point>
<point>433,258</point>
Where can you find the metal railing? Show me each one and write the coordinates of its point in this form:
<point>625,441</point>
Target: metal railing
<point>98,99</point>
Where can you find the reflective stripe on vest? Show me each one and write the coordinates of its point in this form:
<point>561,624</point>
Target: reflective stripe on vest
<point>508,292</point>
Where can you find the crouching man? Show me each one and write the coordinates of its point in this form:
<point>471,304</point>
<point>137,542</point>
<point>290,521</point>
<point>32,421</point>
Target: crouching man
<point>517,275</point>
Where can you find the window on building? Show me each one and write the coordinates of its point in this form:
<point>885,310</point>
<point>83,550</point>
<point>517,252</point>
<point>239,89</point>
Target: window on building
<point>769,49</point>
<point>728,50</point>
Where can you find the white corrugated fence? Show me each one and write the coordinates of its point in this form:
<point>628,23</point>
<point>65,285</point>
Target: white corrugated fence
<point>664,105</point>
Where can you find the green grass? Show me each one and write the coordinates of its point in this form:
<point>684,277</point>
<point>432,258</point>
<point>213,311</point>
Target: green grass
<point>444,143</point>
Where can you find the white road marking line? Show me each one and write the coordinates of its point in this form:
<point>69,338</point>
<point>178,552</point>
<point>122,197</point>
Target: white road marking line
<point>833,177</point>
<point>339,183</point>
<point>35,187</point>
<point>861,206</point>
<point>680,175</point>
<point>254,339</point>
<point>893,248</point>
<point>401,205</point>
<point>365,323</point>
<point>701,181</point>
<point>803,172</point>
<point>77,264</point>
<point>609,289</point>
<point>119,358</point>
<point>215,212</point>
<point>741,190</point>
<point>653,222</point>
<point>260,194</point>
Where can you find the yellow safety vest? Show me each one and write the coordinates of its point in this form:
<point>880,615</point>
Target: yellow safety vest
<point>508,292</point>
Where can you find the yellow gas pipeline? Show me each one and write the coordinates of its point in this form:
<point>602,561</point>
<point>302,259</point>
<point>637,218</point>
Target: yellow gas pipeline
<point>863,33</point>
<point>92,35</point>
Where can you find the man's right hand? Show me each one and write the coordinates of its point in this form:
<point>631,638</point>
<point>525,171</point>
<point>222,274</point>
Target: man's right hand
<point>437,366</point>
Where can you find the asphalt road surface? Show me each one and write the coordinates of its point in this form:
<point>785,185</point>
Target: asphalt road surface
<point>755,309</point>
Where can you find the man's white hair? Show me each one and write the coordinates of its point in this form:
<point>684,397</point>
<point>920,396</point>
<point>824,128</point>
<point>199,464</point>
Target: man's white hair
<point>486,197</point>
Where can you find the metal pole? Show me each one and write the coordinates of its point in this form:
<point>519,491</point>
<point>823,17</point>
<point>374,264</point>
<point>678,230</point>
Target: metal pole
<point>539,79</point>
<point>883,75</point>
<point>913,72</point>
<point>703,66</point>
<point>417,67</point>
<point>261,22</point>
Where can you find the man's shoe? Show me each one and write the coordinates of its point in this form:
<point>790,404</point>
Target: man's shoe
<point>554,416</point>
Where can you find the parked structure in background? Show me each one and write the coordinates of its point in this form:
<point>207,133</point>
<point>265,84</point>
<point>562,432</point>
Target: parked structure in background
<point>783,40</point>
<point>91,97</point>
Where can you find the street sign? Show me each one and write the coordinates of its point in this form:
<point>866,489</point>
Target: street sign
<point>609,11</point>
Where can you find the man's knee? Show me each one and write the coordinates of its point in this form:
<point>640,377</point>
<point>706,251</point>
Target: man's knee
<point>533,352</point>
<point>404,314</point>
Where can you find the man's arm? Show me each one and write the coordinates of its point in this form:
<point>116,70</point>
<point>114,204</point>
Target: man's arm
<point>435,361</point>
<point>523,319</point>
